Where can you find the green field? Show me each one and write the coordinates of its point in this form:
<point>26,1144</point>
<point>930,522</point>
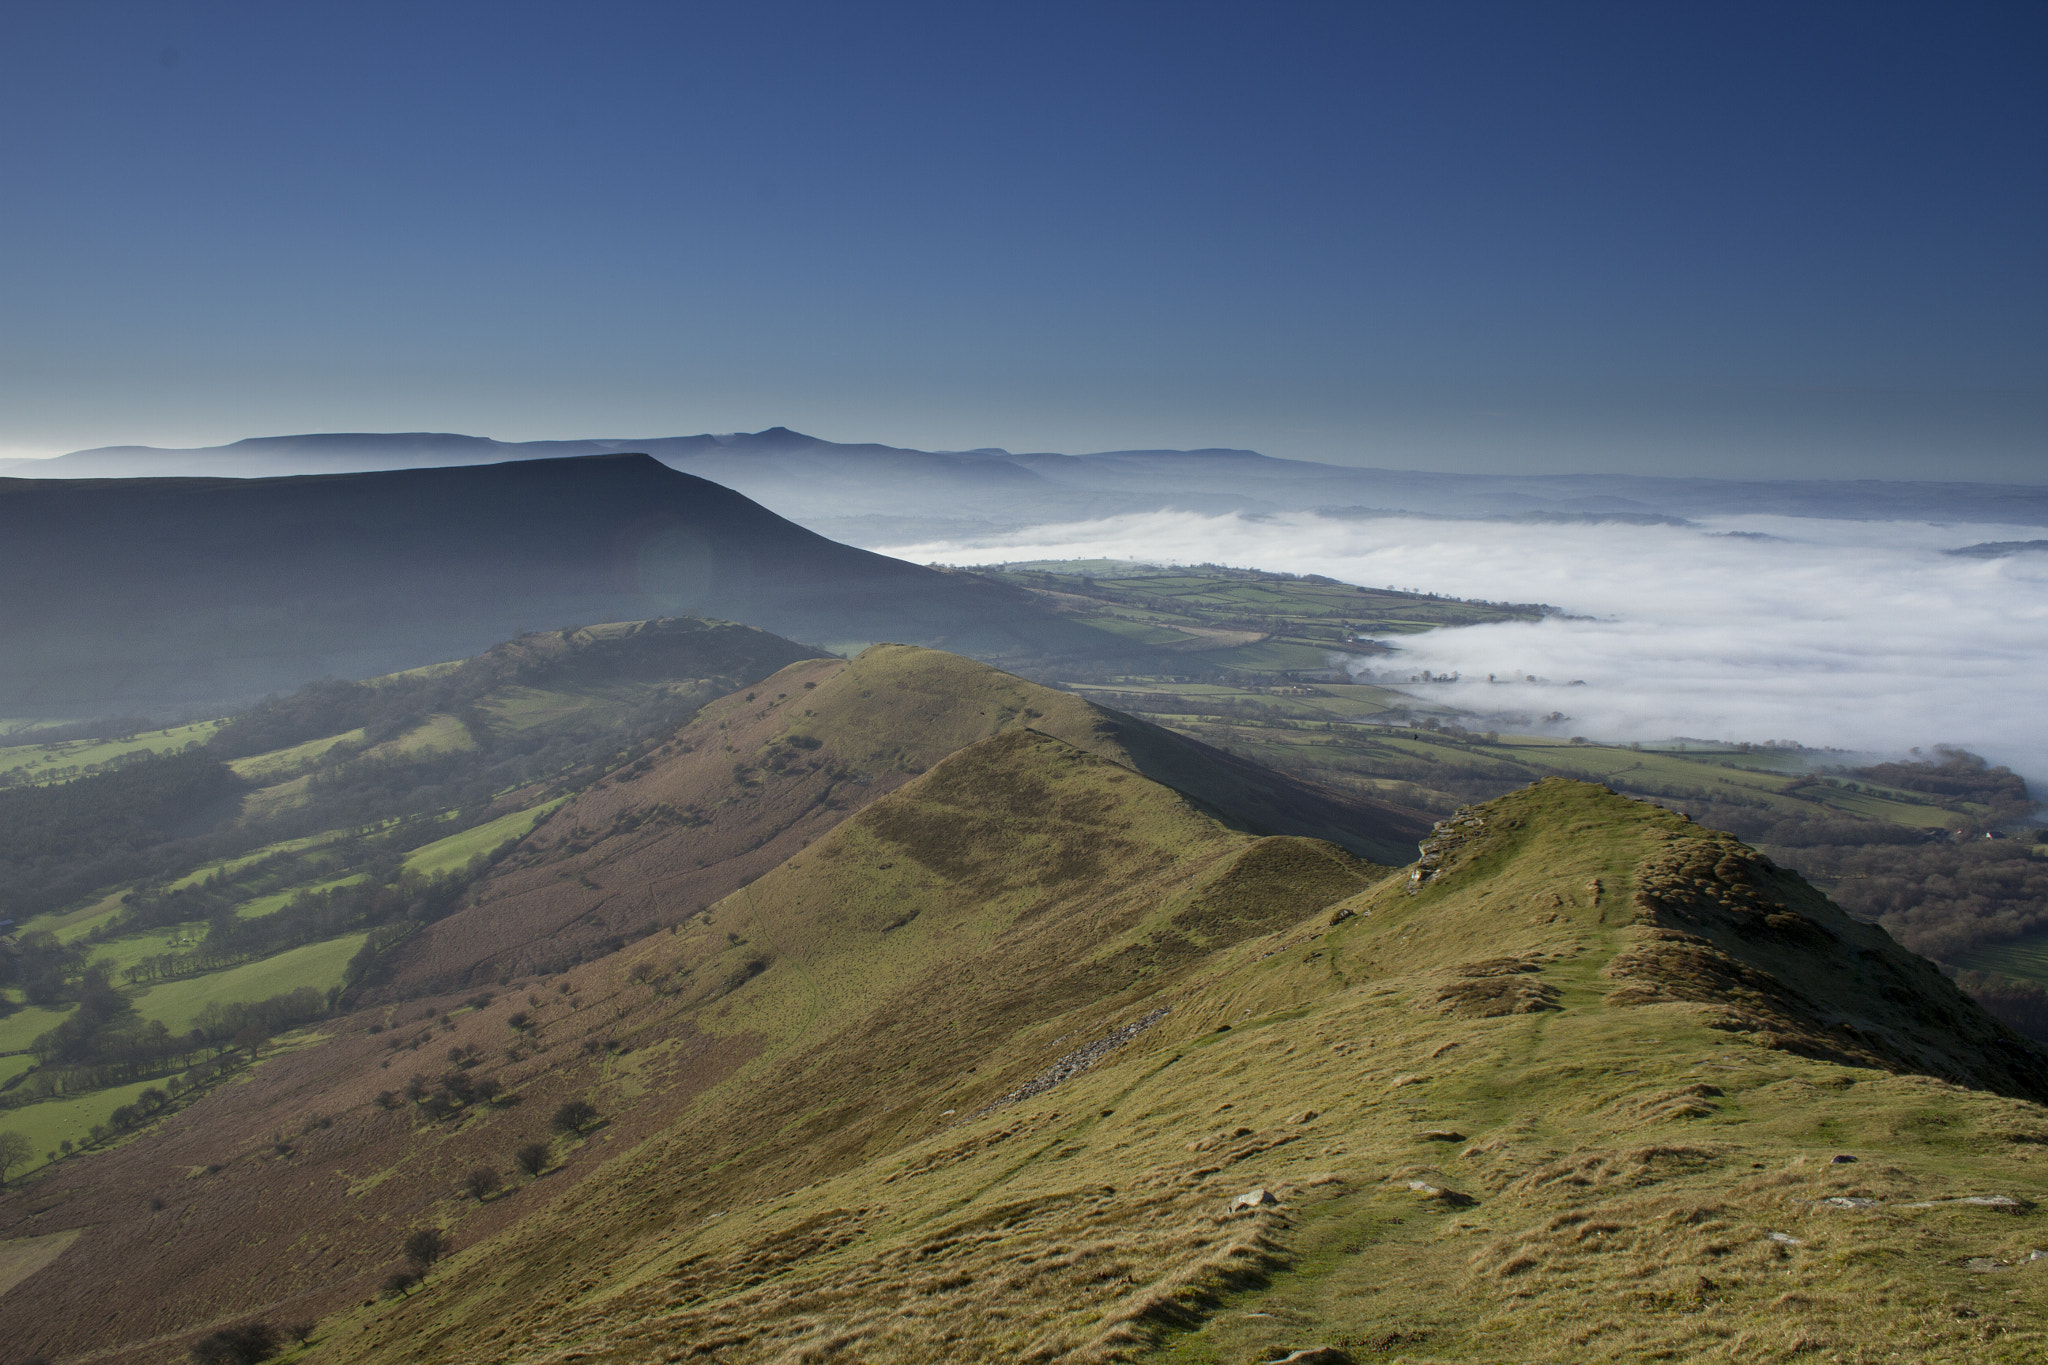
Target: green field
<point>178,1003</point>
<point>282,763</point>
<point>74,924</point>
<point>1239,620</point>
<point>454,852</point>
<point>22,1027</point>
<point>50,1122</point>
<point>275,901</point>
<point>129,949</point>
<point>59,762</point>
<point>234,865</point>
<point>439,735</point>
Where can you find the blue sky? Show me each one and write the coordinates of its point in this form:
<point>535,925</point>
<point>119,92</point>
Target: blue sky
<point>1751,239</point>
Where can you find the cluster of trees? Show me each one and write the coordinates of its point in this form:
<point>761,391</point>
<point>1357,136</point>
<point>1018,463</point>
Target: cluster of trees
<point>248,1343</point>
<point>456,1091</point>
<point>718,655</point>
<point>103,1043</point>
<point>421,1248</point>
<point>1939,899</point>
<point>61,841</point>
<point>1958,776</point>
<point>42,967</point>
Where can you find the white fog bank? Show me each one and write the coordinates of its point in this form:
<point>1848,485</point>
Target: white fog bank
<point>1853,635</point>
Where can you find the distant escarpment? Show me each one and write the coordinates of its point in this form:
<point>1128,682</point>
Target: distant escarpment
<point>156,595</point>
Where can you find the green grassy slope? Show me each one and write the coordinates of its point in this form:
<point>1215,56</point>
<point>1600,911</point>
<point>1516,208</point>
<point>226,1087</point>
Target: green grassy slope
<point>65,759</point>
<point>902,692</point>
<point>760,773</point>
<point>178,1003</point>
<point>1573,1093</point>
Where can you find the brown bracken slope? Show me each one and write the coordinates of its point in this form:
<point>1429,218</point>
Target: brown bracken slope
<point>759,775</point>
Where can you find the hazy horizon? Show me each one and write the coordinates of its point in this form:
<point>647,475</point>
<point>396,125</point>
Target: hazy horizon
<point>2030,476</point>
<point>1749,241</point>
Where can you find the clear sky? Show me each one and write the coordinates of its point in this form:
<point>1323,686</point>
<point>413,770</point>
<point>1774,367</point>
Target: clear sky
<point>1755,239</point>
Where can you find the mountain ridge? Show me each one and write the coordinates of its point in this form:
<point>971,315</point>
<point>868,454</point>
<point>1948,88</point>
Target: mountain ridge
<point>756,778</point>
<point>161,593</point>
<point>982,1070</point>
<point>875,493</point>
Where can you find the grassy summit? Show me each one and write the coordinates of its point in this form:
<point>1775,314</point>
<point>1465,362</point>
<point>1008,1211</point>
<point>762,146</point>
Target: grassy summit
<point>1018,1035</point>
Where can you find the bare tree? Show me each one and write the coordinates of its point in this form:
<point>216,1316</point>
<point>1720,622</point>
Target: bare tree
<point>424,1246</point>
<point>15,1150</point>
<point>532,1158</point>
<point>575,1116</point>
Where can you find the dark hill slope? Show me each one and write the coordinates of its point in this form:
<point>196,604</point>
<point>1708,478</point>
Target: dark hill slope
<point>995,1112</point>
<point>154,593</point>
<point>756,777</point>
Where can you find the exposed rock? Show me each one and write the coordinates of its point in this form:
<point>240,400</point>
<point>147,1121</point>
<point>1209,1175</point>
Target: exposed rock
<point>1446,838</point>
<point>1075,1062</point>
<point>1256,1197</point>
<point>1313,1355</point>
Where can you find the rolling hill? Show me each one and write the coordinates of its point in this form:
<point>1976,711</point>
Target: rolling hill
<point>876,494</point>
<point>161,594</point>
<point>757,777</point>
<point>997,1026</point>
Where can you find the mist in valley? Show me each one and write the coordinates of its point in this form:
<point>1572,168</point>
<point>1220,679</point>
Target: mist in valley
<point>1864,636</point>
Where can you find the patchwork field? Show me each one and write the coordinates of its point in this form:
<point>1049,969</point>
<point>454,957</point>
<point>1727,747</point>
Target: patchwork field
<point>319,965</point>
<point>35,763</point>
<point>454,852</point>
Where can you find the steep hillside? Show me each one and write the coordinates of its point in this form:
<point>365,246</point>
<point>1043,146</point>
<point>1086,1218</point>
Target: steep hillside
<point>757,777</point>
<point>154,594</point>
<point>1503,1107</point>
<point>998,1068</point>
<point>995,866</point>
